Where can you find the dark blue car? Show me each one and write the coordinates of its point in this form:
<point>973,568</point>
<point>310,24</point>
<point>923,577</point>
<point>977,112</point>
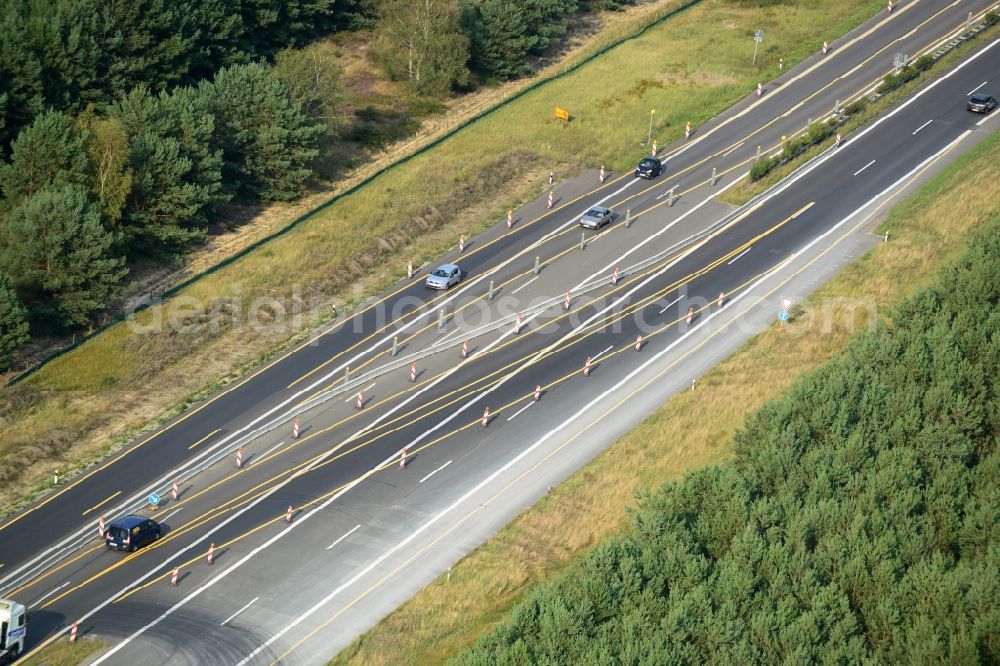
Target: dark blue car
<point>130,533</point>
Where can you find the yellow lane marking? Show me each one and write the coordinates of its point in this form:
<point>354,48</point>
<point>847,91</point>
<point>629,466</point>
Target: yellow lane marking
<point>101,503</point>
<point>204,438</point>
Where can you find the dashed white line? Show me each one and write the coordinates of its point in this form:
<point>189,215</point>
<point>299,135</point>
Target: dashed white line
<point>602,353</point>
<point>983,120</point>
<point>864,167</point>
<point>239,611</point>
<point>49,594</point>
<point>923,126</point>
<point>733,148</point>
<point>733,260</point>
<point>969,94</point>
<point>264,455</point>
<point>525,285</point>
<point>515,414</point>
<point>353,530</point>
<point>673,302</point>
<point>435,471</point>
<point>171,513</point>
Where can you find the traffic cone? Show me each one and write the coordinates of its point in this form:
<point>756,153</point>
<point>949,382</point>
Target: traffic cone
<point>550,198</point>
<point>72,633</point>
<point>690,317</point>
<point>465,348</point>
<point>461,243</point>
<point>288,515</point>
<point>173,577</point>
<point>413,372</point>
<point>638,343</point>
<point>409,270</point>
<point>760,89</point>
<point>239,458</point>
<point>295,428</point>
<point>100,527</point>
<point>614,276</point>
<point>361,400</point>
<point>402,459</point>
<point>826,49</point>
<point>600,177</point>
<point>211,553</point>
<point>567,302</point>
<point>510,219</point>
<point>722,299</point>
<point>839,140</point>
<point>538,392</point>
<point>173,491</point>
<point>687,131</point>
<point>888,7</point>
<point>654,151</point>
<point>517,325</point>
<point>486,417</point>
<point>586,368</point>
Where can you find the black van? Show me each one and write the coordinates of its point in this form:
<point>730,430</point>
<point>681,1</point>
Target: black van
<point>130,533</point>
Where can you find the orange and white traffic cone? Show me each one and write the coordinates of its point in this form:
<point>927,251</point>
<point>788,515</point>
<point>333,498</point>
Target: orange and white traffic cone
<point>402,459</point>
<point>839,140</point>
<point>409,270</point>
<point>687,131</point>
<point>690,317</point>
<point>653,152</point>
<point>486,417</point>
<point>550,199</point>
<point>722,299</point>
<point>826,48</point>
<point>288,514</point>
<point>72,633</point>
<point>100,527</point>
<point>465,348</point>
<point>510,219</point>
<point>361,400</point>
<point>173,577</point>
<point>211,553</point>
<point>296,425</point>
<point>567,302</point>
<point>638,343</point>
<point>517,325</point>
<point>413,372</point>
<point>239,458</point>
<point>461,243</point>
<point>586,368</point>
<point>600,176</point>
<point>614,276</point>
<point>538,392</point>
<point>760,89</point>
<point>888,7</point>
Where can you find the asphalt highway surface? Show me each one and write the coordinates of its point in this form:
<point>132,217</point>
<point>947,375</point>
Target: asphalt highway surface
<point>316,537</point>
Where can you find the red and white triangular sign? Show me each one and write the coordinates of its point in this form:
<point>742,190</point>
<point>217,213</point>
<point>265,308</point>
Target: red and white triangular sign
<point>786,303</point>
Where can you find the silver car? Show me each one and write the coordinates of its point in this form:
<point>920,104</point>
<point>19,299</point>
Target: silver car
<point>597,217</point>
<point>445,276</point>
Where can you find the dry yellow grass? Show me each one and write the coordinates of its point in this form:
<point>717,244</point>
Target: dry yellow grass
<point>99,395</point>
<point>691,430</point>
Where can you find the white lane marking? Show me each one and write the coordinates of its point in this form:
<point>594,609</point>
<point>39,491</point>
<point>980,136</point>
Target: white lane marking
<point>518,412</point>
<point>733,148</point>
<point>354,396</point>
<point>434,472</point>
<point>864,167</point>
<point>584,410</point>
<point>733,260</point>
<point>264,455</point>
<point>525,285</point>
<point>673,302</point>
<point>988,116</point>
<point>976,89</point>
<point>48,594</point>
<point>238,612</point>
<point>922,126</point>
<point>352,531</point>
<point>601,353</point>
<point>180,508</point>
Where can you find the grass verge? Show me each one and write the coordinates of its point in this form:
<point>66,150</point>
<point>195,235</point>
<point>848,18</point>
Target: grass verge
<point>927,229</point>
<point>64,653</point>
<point>82,405</point>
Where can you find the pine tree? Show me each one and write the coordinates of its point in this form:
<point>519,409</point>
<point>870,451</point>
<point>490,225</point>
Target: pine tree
<point>499,38</point>
<point>267,142</point>
<point>50,151</point>
<point>60,256</point>
<point>20,75</point>
<point>13,323</point>
<point>176,172</point>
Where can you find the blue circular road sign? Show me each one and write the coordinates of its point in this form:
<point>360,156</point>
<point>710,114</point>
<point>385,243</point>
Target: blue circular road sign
<point>154,499</point>
<point>783,315</point>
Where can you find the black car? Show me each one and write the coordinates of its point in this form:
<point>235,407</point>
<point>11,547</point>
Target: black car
<point>649,167</point>
<point>130,533</point>
<point>981,103</point>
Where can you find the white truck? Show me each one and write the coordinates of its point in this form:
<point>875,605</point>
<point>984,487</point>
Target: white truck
<point>13,629</point>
